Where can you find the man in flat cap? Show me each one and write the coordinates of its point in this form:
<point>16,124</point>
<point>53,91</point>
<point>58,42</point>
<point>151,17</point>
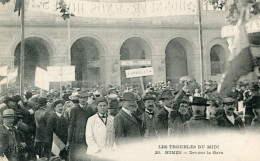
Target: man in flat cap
<point>77,127</point>
<point>229,120</point>
<point>198,124</point>
<point>127,124</point>
<point>148,117</point>
<point>11,140</point>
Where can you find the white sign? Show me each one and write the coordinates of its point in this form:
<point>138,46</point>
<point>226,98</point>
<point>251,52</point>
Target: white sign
<point>142,62</point>
<point>3,70</point>
<point>139,72</point>
<point>157,8</point>
<point>10,77</point>
<point>58,74</point>
<point>251,27</point>
<point>41,79</point>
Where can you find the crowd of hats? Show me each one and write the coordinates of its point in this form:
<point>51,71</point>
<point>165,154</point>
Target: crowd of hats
<point>158,91</point>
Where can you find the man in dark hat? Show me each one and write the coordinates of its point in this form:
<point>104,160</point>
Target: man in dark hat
<point>77,127</point>
<point>148,117</point>
<point>198,124</point>
<point>255,127</point>
<point>229,120</point>
<point>113,107</point>
<point>249,104</point>
<point>41,117</point>
<point>165,118</point>
<point>28,95</point>
<point>11,140</point>
<point>161,117</point>
<point>127,124</point>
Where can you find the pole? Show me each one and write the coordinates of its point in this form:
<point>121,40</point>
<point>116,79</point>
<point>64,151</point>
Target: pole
<point>69,42</point>
<point>60,82</point>
<point>60,91</point>
<point>22,53</point>
<point>142,83</point>
<point>201,50</point>
<point>7,83</point>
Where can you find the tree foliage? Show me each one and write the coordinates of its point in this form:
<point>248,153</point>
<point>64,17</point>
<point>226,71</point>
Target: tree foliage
<point>64,9</point>
<point>4,1</point>
<point>233,8</point>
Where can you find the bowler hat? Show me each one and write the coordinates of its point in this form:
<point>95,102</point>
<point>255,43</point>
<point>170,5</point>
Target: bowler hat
<point>16,98</point>
<point>8,113</point>
<point>65,96</point>
<point>228,100</point>
<point>167,94</point>
<point>56,102</point>
<point>18,114</point>
<point>83,94</point>
<point>42,101</point>
<point>28,94</point>
<point>148,96</point>
<point>128,96</point>
<point>199,101</point>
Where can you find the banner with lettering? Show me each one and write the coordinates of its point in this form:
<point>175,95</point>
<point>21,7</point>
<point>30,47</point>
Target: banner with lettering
<point>157,8</point>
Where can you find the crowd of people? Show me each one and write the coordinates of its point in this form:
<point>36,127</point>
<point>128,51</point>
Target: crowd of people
<point>84,123</point>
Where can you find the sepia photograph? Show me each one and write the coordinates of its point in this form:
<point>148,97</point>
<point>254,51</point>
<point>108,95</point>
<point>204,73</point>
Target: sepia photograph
<point>129,80</point>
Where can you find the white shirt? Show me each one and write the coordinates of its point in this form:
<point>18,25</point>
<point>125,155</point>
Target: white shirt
<point>81,105</point>
<point>231,118</point>
<point>150,116</point>
<point>6,127</point>
<point>127,111</point>
<point>59,115</point>
<point>100,115</point>
<point>168,109</point>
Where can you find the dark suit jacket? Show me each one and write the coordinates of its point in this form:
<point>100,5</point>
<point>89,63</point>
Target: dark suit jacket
<point>41,118</point>
<point>127,128</point>
<point>59,126</point>
<point>224,122</point>
<point>161,122</point>
<point>5,141</point>
<point>77,123</point>
<point>161,117</point>
<point>197,125</point>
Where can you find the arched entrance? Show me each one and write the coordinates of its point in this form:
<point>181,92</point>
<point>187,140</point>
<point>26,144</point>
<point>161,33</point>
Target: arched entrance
<point>36,54</point>
<point>85,55</point>
<point>176,59</point>
<point>217,60</point>
<point>132,51</point>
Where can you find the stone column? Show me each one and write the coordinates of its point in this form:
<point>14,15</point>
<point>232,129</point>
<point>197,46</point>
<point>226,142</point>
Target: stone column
<point>110,70</point>
<point>159,67</point>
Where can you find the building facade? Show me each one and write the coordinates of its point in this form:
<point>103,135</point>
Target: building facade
<point>103,48</point>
